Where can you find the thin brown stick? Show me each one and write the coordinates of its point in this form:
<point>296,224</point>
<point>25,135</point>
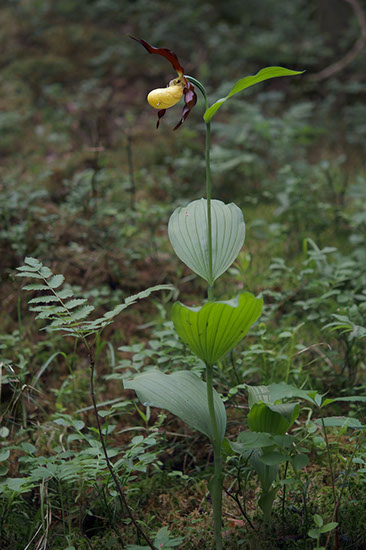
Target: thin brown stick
<point>110,467</point>
<point>339,65</point>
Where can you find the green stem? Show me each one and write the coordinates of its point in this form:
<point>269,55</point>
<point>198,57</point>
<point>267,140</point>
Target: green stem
<point>215,484</point>
<point>208,195</point>
<point>208,185</point>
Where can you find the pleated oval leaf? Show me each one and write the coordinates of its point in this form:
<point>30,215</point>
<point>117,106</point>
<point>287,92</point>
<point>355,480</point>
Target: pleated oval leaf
<point>246,82</point>
<point>215,328</point>
<point>184,395</point>
<point>188,235</point>
<point>272,419</point>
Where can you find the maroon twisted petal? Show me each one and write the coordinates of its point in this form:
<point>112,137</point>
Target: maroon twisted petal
<point>190,100</point>
<point>168,54</point>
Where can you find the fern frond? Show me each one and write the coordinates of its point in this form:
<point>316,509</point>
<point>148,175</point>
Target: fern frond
<point>69,315</point>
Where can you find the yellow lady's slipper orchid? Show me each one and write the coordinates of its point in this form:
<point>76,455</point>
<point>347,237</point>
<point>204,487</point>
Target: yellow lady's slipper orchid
<point>164,98</point>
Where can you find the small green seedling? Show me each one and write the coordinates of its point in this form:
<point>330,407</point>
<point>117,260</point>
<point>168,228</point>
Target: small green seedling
<point>320,529</point>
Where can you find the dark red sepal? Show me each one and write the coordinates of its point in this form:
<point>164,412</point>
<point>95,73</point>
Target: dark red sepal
<point>190,100</point>
<point>161,113</point>
<point>168,54</point>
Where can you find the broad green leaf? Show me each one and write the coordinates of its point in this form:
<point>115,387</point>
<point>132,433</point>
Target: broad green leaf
<point>28,447</point>
<point>339,421</point>
<point>300,461</point>
<point>246,82</point>
<point>273,419</point>
<point>251,440</point>
<point>266,502</point>
<point>183,394</point>
<point>273,458</point>
<point>4,455</point>
<point>351,398</point>
<point>215,328</point>
<point>285,441</point>
<point>276,392</point>
<point>266,474</point>
<point>258,394</point>
<point>318,520</point>
<point>188,236</point>
<point>314,533</point>
<point>328,527</point>
<point>18,484</point>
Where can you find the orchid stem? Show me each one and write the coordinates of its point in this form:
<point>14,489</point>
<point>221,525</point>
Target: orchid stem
<point>209,220</point>
<point>215,484</point>
<point>200,86</point>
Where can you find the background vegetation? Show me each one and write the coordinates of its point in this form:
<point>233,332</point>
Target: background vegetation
<point>87,186</point>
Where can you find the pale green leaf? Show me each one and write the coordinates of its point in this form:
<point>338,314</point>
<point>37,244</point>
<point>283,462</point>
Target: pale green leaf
<point>36,287</point>
<point>82,313</point>
<point>215,328</point>
<point>45,272</point>
<point>183,394</point>
<point>49,309</point>
<point>31,275</point>
<point>43,299</point>
<point>146,293</point>
<point>32,262</point>
<point>64,293</point>
<point>75,302</point>
<point>28,268</point>
<point>246,82</point>
<point>110,314</point>
<point>56,281</point>
<point>188,234</point>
